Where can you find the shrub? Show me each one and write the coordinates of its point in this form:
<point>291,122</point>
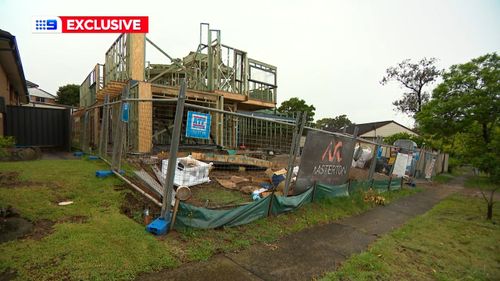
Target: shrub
<point>6,142</point>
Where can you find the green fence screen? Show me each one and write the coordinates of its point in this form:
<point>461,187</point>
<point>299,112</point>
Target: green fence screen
<point>198,217</point>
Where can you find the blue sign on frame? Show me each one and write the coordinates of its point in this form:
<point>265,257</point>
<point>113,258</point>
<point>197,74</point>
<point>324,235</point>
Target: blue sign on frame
<point>198,125</point>
<point>125,112</point>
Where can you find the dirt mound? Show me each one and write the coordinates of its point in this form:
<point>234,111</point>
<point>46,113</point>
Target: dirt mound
<point>134,204</point>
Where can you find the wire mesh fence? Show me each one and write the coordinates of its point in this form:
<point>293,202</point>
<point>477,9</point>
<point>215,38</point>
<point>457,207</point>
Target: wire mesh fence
<point>102,129</point>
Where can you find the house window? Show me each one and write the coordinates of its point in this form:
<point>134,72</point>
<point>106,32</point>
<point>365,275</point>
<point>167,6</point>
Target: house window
<point>39,99</point>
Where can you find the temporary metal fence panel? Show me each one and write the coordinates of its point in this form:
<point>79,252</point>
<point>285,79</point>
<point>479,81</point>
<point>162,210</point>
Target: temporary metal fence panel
<point>326,159</point>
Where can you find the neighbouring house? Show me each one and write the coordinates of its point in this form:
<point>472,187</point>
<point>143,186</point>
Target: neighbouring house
<point>370,131</point>
<point>13,90</point>
<point>42,98</point>
<point>38,95</point>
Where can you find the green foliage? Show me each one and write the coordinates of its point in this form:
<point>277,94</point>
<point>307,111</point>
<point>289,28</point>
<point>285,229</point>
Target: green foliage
<point>481,182</point>
<point>451,242</point>
<point>398,136</point>
<point>413,77</point>
<point>293,106</point>
<point>336,123</point>
<point>465,108</point>
<point>69,95</point>
<point>6,142</point>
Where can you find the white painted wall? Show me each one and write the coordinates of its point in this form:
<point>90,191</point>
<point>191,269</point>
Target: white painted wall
<point>387,130</point>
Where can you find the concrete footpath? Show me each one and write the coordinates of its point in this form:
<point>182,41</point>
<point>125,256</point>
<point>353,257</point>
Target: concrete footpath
<point>311,252</point>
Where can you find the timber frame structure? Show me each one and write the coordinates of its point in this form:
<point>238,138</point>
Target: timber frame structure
<point>217,76</point>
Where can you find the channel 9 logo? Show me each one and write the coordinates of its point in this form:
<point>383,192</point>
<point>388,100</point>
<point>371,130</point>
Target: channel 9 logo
<point>90,24</point>
<point>46,25</point>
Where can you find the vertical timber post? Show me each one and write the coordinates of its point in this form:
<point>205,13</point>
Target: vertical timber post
<point>103,140</point>
<point>168,184</point>
<point>145,118</point>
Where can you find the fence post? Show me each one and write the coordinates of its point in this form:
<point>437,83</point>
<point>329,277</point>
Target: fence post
<point>313,192</point>
<point>374,159</point>
<point>121,134</point>
<point>269,208</point>
<point>168,184</point>
<point>390,181</point>
<point>299,128</point>
<point>84,133</point>
<point>349,187</point>
<point>103,141</point>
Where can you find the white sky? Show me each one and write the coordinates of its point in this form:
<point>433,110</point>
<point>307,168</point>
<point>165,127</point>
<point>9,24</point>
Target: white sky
<point>330,53</point>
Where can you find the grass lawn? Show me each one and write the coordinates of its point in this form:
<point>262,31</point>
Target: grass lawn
<point>443,178</point>
<point>481,182</point>
<point>107,245</point>
<point>451,242</point>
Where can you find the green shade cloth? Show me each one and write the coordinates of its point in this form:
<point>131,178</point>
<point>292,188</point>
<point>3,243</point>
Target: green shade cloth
<point>198,217</point>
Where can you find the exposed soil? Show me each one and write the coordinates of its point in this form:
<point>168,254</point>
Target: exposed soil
<point>13,226</point>
<point>362,174</point>
<point>74,219</point>
<point>8,274</point>
<point>41,229</point>
<point>11,180</point>
<point>134,205</point>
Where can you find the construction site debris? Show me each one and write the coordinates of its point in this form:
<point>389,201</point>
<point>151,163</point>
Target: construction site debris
<point>238,180</point>
<point>248,189</point>
<point>372,196</point>
<point>65,203</point>
<point>361,156</point>
<point>232,159</point>
<point>280,172</point>
<point>256,193</point>
<point>183,193</point>
<point>227,183</point>
<point>150,182</point>
<point>190,171</point>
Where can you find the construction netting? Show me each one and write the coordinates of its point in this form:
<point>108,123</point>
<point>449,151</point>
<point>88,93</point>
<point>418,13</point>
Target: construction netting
<point>198,217</point>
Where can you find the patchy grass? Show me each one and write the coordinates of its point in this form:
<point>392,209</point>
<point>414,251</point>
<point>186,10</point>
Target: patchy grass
<point>481,182</point>
<point>443,178</point>
<point>217,195</point>
<point>451,242</point>
<point>107,245</point>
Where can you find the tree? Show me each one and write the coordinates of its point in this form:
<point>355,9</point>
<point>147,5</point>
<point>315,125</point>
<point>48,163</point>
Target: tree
<point>466,108</point>
<point>69,95</point>
<point>295,105</point>
<point>414,77</point>
<point>336,123</point>
<point>404,136</point>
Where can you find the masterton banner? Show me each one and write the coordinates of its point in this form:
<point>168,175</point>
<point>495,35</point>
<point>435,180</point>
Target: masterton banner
<point>325,159</point>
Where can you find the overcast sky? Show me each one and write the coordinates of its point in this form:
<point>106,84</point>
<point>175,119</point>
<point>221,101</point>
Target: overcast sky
<point>330,53</point>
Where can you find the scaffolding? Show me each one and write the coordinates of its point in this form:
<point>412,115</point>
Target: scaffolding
<point>217,76</point>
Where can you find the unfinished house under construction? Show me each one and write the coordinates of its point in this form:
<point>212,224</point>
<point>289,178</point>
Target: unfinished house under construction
<point>217,77</point>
